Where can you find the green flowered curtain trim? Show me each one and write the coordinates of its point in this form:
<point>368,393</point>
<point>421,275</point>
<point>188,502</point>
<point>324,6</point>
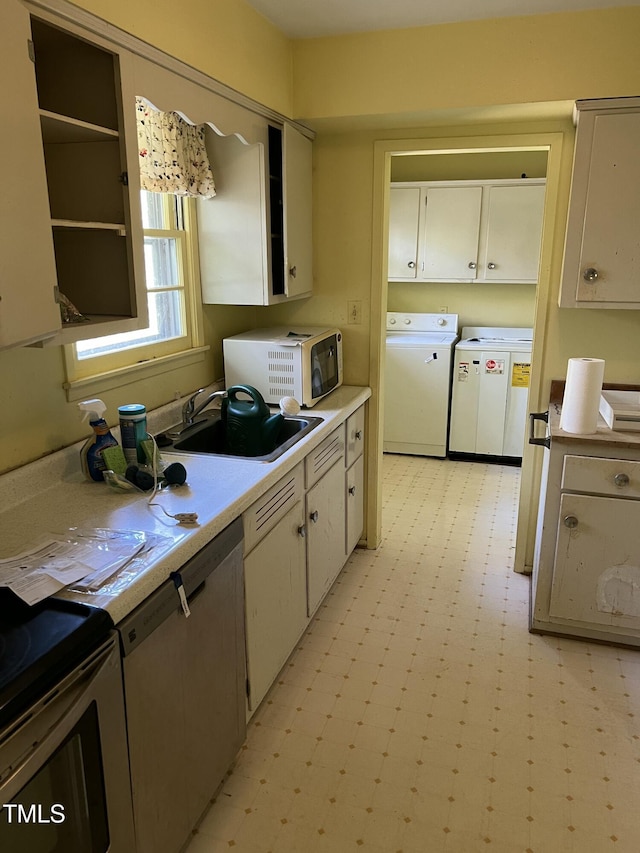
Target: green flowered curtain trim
<point>173,157</point>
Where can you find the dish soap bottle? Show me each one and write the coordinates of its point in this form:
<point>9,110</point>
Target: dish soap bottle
<point>91,454</point>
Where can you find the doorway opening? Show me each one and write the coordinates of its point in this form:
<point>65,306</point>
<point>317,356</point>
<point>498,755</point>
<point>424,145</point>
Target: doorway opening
<point>536,155</point>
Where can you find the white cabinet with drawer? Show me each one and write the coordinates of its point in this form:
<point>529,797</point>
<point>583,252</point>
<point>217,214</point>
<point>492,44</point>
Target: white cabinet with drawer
<point>325,508</point>
<point>587,568</point>
<point>354,497</point>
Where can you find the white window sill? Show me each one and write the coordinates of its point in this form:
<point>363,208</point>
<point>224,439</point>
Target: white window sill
<point>80,389</point>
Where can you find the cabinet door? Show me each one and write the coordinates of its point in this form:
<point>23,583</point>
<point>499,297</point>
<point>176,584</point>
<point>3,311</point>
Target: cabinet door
<point>355,436</point>
<point>232,226</point>
<point>297,152</point>
<point>513,233</point>
<point>275,601</point>
<point>87,115</point>
<point>28,310</point>
<point>325,533</point>
<point>404,214</point>
<point>596,572</point>
<point>355,503</point>
<point>603,239</point>
<point>451,232</point>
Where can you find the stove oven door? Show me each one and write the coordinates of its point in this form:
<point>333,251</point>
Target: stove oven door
<point>64,779</point>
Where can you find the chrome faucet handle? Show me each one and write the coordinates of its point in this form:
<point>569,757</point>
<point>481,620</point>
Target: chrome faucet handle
<point>188,410</point>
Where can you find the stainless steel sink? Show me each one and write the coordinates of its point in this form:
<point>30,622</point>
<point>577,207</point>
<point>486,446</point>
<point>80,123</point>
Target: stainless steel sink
<point>207,436</point>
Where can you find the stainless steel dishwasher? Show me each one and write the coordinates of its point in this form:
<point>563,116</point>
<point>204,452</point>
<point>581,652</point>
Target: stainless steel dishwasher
<point>185,692</point>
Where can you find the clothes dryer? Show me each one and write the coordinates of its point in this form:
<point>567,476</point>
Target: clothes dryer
<point>490,388</point>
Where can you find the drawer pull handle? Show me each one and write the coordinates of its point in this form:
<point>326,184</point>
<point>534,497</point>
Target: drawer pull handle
<point>590,274</point>
<point>314,516</point>
<point>302,531</point>
<point>621,480</point>
<point>358,435</point>
<point>570,521</point>
<point>352,490</point>
<point>411,265</point>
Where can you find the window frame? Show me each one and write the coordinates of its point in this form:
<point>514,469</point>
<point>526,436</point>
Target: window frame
<point>102,372</point>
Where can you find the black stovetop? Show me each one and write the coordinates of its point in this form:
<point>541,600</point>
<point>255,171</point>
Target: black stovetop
<point>41,644</point>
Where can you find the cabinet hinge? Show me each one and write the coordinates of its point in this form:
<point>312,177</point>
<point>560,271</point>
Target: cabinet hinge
<point>124,179</point>
<point>31,51</point>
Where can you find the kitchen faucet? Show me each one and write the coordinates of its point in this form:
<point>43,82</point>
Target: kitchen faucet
<point>190,411</point>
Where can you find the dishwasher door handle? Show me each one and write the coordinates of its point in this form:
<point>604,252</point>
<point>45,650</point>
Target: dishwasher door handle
<point>538,416</point>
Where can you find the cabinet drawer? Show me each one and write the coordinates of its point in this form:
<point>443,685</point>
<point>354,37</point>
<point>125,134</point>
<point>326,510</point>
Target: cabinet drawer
<point>324,456</point>
<point>355,436</point>
<point>266,512</point>
<point>598,476</point>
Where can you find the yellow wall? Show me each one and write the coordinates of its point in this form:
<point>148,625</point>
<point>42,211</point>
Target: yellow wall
<point>541,58</point>
<point>226,39</point>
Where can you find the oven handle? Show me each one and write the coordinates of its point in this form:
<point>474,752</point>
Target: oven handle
<point>538,416</point>
<point>76,685</point>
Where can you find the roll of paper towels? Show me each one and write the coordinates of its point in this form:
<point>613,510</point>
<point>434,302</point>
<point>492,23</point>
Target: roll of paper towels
<point>582,392</point>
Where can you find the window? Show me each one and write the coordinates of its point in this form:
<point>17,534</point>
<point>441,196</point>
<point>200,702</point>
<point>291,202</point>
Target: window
<point>173,293</point>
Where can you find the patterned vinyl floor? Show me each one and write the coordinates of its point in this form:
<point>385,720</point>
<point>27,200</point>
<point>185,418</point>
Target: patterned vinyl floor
<point>418,715</point>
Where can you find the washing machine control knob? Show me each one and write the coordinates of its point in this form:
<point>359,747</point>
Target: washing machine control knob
<point>392,321</point>
<point>407,321</point>
<point>442,321</point>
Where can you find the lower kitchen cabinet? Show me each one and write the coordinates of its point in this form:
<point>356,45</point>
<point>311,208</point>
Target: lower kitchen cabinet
<point>587,562</point>
<point>325,534</point>
<point>275,601</point>
<point>295,544</point>
<point>355,503</point>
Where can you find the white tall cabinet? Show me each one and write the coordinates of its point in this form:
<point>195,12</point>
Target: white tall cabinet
<point>600,268</point>
<point>466,231</point>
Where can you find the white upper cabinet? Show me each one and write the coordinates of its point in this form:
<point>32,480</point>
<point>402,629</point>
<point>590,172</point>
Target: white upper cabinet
<point>601,266</point>
<point>450,234</point>
<point>466,231</point>
<point>87,118</point>
<point>513,233</point>
<point>255,234</point>
<point>404,216</point>
<point>70,203</point>
<point>28,310</point>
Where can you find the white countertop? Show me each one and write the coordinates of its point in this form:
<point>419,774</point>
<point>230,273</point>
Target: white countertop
<point>51,496</point>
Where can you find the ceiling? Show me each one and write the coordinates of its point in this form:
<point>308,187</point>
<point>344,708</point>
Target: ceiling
<point>315,18</point>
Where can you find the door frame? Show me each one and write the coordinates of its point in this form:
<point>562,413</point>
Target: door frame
<point>559,146</point>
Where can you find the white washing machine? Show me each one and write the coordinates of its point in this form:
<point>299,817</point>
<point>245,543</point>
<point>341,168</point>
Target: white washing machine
<point>490,389</point>
<point>417,382</point>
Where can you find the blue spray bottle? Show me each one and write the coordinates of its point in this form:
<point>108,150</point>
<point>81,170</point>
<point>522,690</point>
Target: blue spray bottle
<point>91,454</point>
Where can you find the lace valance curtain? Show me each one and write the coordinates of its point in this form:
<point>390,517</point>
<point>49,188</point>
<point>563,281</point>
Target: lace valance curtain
<point>173,157</point>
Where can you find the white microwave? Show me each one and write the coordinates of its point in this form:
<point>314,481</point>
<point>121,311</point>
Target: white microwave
<point>304,362</point>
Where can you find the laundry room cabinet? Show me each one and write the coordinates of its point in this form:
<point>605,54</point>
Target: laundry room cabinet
<point>600,267</point>
<point>466,231</point>
<point>255,234</point>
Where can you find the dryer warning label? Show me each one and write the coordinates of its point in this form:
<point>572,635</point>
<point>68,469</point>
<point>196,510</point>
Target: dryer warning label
<point>463,371</point>
<point>520,375</point>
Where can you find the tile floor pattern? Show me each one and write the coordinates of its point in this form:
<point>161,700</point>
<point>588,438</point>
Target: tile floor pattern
<point>418,715</point>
